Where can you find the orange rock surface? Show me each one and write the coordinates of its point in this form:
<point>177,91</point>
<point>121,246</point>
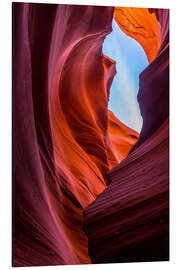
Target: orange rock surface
<point>79,92</point>
<point>65,139</point>
<point>141,25</point>
<point>64,143</point>
<point>122,138</point>
<point>129,220</point>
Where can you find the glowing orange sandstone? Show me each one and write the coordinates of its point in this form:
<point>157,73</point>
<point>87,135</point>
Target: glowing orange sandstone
<point>81,128</point>
<point>141,25</point>
<point>122,137</point>
<point>68,140</point>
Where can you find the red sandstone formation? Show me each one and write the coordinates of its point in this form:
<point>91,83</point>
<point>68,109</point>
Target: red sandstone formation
<point>153,95</point>
<point>128,222</point>
<point>122,138</point>
<point>129,219</point>
<point>65,140</point>
<point>150,27</point>
<point>141,25</point>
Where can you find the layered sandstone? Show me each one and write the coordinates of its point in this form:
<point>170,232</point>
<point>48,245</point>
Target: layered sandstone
<point>142,26</point>
<point>66,141</point>
<point>129,221</point>
<point>62,133</point>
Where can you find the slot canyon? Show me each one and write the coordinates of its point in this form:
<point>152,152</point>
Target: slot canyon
<point>86,187</point>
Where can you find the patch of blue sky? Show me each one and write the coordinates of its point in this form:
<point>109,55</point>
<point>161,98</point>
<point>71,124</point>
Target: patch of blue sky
<point>130,61</point>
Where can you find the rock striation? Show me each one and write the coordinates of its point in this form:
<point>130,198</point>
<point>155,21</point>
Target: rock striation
<point>64,138</point>
<point>141,25</point>
<point>129,220</point>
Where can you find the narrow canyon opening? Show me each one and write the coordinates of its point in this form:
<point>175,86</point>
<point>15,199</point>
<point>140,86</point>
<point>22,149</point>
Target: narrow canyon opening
<point>131,60</point>
<point>79,196</point>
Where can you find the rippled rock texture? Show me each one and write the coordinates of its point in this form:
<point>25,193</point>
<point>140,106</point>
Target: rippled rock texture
<point>129,221</point>
<point>65,141</point>
<point>64,138</point>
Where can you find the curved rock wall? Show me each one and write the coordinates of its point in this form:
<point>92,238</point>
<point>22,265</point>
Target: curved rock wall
<point>129,221</point>
<point>141,25</point>
<point>153,95</point>
<point>150,27</point>
<point>64,142</point>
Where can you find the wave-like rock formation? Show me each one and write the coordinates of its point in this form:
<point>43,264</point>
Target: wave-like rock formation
<point>141,25</point>
<point>129,220</point>
<point>65,140</point>
<point>122,138</point>
<point>150,27</point>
